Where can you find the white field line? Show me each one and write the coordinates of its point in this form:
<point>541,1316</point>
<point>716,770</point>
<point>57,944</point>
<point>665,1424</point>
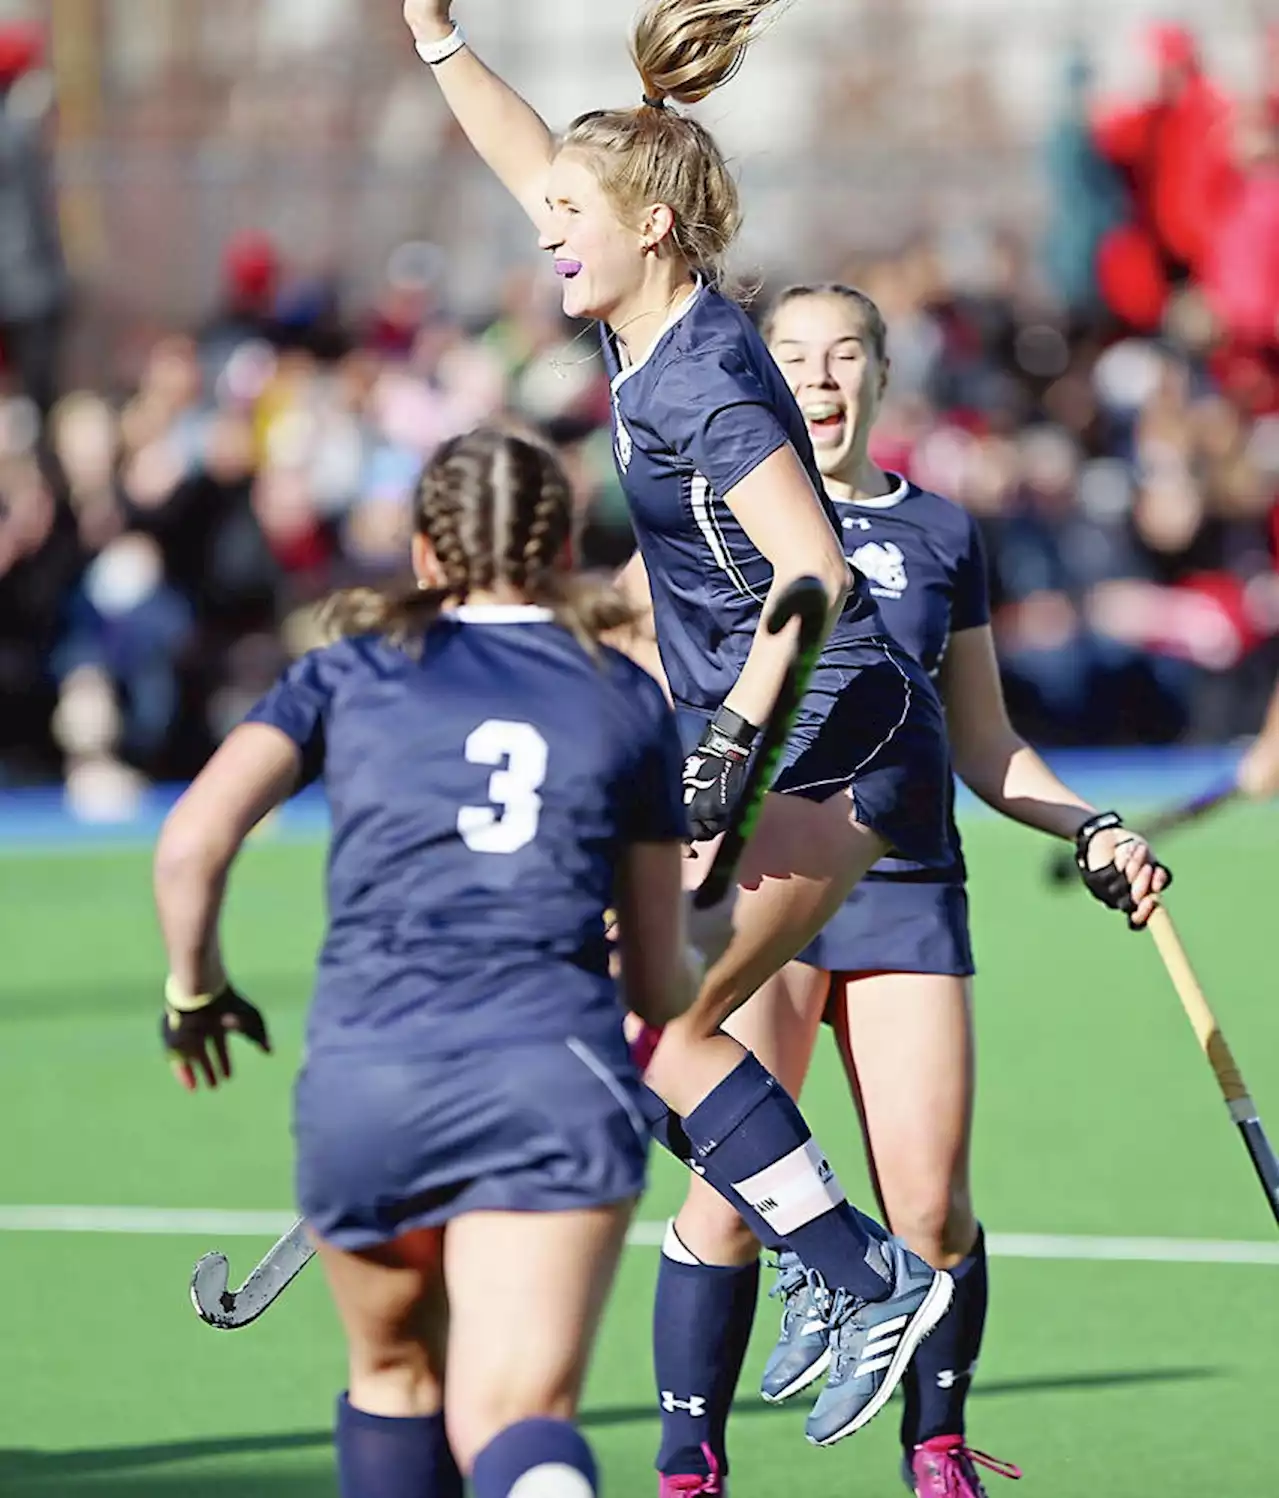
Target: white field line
<point>214,1224</point>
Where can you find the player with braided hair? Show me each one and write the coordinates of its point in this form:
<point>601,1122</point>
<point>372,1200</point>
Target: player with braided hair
<point>467,1117</point>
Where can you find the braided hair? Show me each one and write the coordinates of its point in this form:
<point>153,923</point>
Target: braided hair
<point>498,510</point>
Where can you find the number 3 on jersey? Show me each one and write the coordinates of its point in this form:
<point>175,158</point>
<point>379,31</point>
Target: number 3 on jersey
<point>521,751</point>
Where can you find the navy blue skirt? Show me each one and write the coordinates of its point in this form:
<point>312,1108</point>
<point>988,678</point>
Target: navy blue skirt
<point>892,926</point>
<point>388,1143</point>
<point>870,723</point>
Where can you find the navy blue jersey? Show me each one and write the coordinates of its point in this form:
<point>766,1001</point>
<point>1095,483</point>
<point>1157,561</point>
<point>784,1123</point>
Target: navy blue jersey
<point>481,789</point>
<point>922,556</point>
<point>703,408</point>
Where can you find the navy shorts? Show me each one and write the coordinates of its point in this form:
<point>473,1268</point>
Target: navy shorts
<point>870,722</point>
<point>897,926</point>
<point>388,1143</point>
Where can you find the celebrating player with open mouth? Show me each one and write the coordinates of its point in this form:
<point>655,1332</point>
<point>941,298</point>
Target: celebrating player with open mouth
<point>638,209</point>
<point>894,964</point>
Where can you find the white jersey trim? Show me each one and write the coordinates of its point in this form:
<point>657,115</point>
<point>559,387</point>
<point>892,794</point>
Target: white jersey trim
<point>499,613</point>
<point>702,503</point>
<point>623,375</point>
<point>885,501</point>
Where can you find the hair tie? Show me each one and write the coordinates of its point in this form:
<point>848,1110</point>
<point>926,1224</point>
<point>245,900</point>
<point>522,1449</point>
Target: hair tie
<point>655,101</point>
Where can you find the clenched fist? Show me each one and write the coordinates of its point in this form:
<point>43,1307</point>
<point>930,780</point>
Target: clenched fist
<point>429,20</point>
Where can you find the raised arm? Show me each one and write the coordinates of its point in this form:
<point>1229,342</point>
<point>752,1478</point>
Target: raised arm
<point>510,137</point>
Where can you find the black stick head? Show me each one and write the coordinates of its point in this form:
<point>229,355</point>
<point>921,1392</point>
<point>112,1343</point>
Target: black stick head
<point>805,598</point>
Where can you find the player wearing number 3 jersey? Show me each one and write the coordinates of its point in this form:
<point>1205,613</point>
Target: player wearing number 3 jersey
<point>467,1116</point>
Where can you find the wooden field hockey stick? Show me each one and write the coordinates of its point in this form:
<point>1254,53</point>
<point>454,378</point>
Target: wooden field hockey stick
<point>806,600</point>
<point>1062,864</point>
<point>1213,1043</point>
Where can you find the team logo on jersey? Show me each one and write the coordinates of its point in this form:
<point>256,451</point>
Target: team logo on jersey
<point>621,438</point>
<point>883,563</point>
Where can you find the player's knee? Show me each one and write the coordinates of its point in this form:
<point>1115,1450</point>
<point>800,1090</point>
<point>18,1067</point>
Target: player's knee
<point>471,1423</point>
<point>938,1224</point>
<point>695,1024</point>
<point>394,1380</point>
<point>723,990</point>
<point>713,1232</point>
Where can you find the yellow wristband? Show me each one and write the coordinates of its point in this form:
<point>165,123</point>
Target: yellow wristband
<point>184,1003</point>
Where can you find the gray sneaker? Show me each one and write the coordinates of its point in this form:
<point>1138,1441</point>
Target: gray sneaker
<point>872,1342</point>
<point>803,1351</point>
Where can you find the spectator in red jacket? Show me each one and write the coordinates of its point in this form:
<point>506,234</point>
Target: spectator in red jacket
<point>1174,151</point>
<point>1241,264</point>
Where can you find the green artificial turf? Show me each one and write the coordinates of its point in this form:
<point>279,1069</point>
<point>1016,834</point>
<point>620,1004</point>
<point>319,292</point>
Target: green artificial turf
<point>1096,1116</point>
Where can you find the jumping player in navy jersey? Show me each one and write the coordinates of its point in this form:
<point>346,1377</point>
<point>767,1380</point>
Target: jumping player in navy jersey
<point>638,209</point>
<point>893,965</point>
<point>466,1118</point>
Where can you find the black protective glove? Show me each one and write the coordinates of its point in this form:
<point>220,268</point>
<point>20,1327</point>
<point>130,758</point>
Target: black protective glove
<point>1108,883</point>
<point>191,1023</point>
<point>714,773</point>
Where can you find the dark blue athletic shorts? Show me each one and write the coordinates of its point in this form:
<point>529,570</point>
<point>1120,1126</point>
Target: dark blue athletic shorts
<point>896,926</point>
<point>870,721</point>
<point>387,1143</point>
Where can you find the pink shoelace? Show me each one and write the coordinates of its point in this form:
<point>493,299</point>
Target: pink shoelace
<point>694,1484</point>
<point>949,1468</point>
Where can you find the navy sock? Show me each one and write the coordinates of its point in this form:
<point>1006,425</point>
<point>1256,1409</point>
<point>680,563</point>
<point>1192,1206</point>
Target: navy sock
<point>749,1138</point>
<point>535,1459</point>
<point>384,1457</point>
<point>702,1318</point>
<point>937,1382</point>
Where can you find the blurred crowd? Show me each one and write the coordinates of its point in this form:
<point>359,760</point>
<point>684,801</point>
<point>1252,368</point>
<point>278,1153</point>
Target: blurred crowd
<point>1104,401</point>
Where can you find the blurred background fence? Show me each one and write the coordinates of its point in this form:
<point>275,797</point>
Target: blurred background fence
<point>250,275</point>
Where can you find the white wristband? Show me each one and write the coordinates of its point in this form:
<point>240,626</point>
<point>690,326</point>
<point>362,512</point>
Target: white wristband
<point>434,53</point>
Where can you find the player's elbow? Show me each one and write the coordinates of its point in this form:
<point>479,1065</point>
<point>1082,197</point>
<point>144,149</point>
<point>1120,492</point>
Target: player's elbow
<point>659,1002</point>
<point>981,751</point>
<point>829,568</point>
<point>188,850</point>
<point>983,768</point>
<point>836,579</point>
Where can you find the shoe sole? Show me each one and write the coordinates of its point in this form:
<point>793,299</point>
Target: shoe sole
<point>810,1375</point>
<point>932,1309</point>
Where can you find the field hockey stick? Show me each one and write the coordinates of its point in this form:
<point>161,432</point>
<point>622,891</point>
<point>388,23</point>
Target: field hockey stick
<point>805,600</point>
<point>1062,865</point>
<point>1213,1043</point>
<point>228,1310</point>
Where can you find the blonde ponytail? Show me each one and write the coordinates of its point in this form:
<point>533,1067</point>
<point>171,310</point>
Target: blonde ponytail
<point>683,49</point>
